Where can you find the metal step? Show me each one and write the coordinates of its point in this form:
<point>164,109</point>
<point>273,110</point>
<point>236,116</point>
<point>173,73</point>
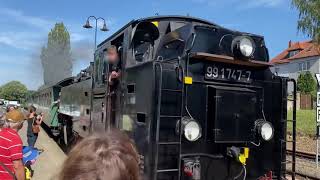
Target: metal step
<point>289,120</point>
<point>287,141</point>
<point>169,116</point>
<point>169,143</point>
<point>287,162</point>
<point>172,90</point>
<point>169,70</point>
<point>167,170</point>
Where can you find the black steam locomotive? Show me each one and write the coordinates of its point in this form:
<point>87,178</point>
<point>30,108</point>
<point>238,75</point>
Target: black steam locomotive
<point>199,100</point>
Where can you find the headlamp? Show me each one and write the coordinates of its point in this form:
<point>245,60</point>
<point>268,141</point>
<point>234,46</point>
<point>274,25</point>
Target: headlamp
<point>191,129</point>
<point>243,46</point>
<point>264,129</point>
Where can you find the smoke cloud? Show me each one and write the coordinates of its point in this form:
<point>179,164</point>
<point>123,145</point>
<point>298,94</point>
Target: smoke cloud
<point>56,70</point>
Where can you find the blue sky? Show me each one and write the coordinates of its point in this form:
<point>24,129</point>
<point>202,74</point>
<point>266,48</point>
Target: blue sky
<point>25,25</point>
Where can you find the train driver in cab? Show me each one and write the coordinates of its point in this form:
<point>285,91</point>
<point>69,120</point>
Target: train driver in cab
<point>113,60</point>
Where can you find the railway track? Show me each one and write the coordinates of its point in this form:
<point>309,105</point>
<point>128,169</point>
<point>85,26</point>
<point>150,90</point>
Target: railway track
<point>301,175</point>
<point>304,155</point>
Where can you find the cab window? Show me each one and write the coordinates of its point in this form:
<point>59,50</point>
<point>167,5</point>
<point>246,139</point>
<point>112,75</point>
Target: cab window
<point>144,35</point>
<point>99,67</point>
<point>142,46</point>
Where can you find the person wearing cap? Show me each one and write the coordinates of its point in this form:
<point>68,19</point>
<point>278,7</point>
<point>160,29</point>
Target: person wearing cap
<point>11,166</point>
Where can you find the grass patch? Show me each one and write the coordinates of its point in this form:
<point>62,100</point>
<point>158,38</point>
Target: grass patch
<point>306,122</point>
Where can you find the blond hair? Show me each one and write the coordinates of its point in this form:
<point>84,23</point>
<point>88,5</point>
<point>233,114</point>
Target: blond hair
<point>109,156</point>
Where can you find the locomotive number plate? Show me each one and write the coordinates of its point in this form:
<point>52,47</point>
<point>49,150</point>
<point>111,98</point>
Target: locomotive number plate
<point>213,72</point>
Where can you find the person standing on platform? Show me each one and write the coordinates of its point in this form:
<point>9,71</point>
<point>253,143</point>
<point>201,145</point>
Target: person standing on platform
<point>33,129</point>
<point>11,166</point>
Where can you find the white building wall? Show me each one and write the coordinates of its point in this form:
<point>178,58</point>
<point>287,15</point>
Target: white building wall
<point>291,69</point>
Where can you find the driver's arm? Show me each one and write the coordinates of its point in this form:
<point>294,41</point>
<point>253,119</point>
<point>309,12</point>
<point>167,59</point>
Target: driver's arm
<point>114,76</point>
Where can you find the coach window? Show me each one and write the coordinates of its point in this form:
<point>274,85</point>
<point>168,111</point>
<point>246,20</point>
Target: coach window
<point>126,123</point>
<point>45,100</point>
<point>48,99</point>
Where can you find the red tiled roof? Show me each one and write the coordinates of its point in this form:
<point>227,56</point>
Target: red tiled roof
<point>307,49</point>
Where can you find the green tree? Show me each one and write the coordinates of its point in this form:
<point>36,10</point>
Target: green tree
<point>306,83</point>
<point>56,56</point>
<point>14,90</point>
<point>309,18</point>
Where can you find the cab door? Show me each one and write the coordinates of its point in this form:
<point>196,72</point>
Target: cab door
<point>105,114</point>
<point>98,113</point>
<point>114,97</point>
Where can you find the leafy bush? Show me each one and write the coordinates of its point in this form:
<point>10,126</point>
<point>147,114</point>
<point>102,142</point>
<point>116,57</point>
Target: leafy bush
<point>14,90</point>
<point>306,83</point>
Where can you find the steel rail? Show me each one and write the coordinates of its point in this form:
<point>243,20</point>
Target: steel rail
<point>303,175</point>
<point>301,154</point>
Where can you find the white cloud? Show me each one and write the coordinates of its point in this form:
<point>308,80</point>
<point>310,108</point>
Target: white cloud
<point>74,36</point>
<point>242,4</point>
<point>82,50</point>
<point>19,16</point>
<point>26,69</point>
<point>262,3</point>
<point>32,82</point>
<point>29,39</point>
<point>28,34</point>
<point>23,31</point>
<point>16,60</point>
<point>21,40</point>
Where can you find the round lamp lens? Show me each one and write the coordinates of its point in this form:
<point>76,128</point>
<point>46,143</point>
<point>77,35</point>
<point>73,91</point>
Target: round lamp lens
<point>192,131</point>
<point>246,47</point>
<point>266,131</point>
